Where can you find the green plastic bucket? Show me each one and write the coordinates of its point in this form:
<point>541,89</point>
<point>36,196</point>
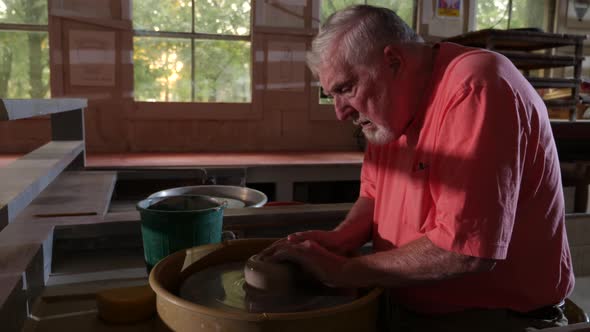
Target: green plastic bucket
<point>173,223</point>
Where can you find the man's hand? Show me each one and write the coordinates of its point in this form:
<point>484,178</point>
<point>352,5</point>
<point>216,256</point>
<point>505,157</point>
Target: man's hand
<point>324,265</point>
<point>331,240</point>
<point>349,236</point>
<point>334,241</point>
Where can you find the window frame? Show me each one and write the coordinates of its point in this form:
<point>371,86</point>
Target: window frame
<point>162,110</point>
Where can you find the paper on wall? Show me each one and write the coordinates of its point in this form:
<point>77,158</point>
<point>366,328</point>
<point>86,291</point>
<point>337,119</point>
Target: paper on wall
<point>286,66</point>
<point>281,13</point>
<point>427,12</point>
<point>92,57</point>
<point>445,28</point>
<point>449,9</point>
<point>578,14</point>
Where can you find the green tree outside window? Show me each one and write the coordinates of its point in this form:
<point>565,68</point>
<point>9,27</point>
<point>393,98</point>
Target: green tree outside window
<point>505,14</point>
<point>24,49</point>
<point>403,8</point>
<point>192,50</point>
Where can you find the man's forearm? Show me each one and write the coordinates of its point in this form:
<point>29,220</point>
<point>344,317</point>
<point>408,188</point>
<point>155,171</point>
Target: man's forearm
<point>356,229</point>
<point>416,262</point>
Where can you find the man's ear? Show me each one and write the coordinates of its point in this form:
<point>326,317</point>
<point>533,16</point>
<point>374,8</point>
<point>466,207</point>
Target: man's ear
<point>392,57</point>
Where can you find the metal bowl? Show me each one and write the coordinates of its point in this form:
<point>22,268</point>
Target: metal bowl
<point>234,196</point>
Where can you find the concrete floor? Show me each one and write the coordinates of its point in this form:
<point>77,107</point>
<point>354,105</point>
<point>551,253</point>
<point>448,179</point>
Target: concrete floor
<point>581,294</point>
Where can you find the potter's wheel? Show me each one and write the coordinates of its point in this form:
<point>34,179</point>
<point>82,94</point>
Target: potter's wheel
<point>225,307</point>
<point>223,287</point>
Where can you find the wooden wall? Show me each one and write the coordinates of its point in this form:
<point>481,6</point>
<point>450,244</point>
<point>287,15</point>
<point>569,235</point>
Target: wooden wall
<point>283,115</point>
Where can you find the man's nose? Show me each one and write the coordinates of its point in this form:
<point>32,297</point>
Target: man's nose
<point>343,110</point>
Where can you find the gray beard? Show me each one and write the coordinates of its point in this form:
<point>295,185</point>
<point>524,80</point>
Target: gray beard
<point>379,136</point>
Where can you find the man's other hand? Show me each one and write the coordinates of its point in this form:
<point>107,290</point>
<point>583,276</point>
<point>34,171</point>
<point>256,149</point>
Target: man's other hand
<point>332,240</point>
<point>323,264</point>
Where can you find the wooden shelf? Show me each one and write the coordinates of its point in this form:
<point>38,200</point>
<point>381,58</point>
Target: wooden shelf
<point>542,82</point>
<point>516,40</point>
<point>560,103</point>
<point>529,61</point>
<point>23,179</point>
<point>14,109</point>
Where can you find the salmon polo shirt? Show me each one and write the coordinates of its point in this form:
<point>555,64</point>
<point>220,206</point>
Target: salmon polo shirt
<point>477,173</point>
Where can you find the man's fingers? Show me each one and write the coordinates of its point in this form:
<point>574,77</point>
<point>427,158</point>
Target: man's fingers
<point>308,255</point>
<point>297,237</point>
<point>296,252</point>
<point>321,237</point>
<point>284,254</point>
<point>270,250</point>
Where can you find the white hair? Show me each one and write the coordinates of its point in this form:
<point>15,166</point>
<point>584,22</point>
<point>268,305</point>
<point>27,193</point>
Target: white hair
<point>359,32</point>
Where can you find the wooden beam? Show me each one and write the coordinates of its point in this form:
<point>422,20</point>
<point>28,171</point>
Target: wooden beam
<point>71,194</point>
<point>69,126</point>
<point>13,303</point>
<point>23,179</point>
<point>14,109</point>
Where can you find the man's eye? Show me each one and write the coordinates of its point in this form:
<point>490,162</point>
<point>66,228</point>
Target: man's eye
<point>323,94</point>
<point>344,89</point>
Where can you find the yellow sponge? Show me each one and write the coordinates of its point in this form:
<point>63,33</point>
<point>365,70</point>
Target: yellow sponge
<point>126,305</point>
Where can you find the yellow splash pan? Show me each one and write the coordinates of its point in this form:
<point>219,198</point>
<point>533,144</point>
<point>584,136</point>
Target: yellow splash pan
<point>182,315</point>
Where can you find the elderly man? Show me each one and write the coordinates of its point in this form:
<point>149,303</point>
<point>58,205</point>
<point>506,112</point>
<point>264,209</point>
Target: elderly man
<point>460,187</point>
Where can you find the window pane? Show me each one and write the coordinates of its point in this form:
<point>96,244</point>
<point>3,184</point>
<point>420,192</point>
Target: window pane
<point>24,64</point>
<point>331,6</point>
<point>528,14</point>
<point>230,17</point>
<point>23,11</point>
<point>162,69</point>
<point>158,15</point>
<point>324,99</point>
<point>222,71</point>
<point>493,14</point>
<point>403,8</point>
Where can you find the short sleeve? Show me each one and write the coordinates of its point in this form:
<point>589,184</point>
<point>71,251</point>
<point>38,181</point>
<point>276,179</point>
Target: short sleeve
<point>368,174</point>
<point>476,170</point>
